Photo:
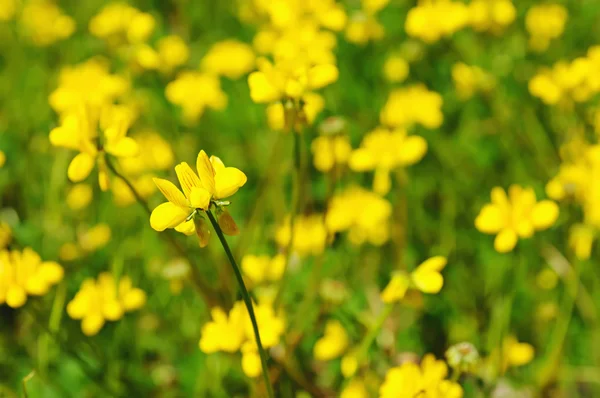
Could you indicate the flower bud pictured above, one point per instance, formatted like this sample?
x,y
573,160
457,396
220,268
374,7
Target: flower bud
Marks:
x,y
202,231
227,224
463,357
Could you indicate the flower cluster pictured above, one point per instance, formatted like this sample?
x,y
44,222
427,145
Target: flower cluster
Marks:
x,y
23,273
45,23
363,25
413,105
334,342
470,79
105,299
544,23
261,269
310,235
330,151
233,333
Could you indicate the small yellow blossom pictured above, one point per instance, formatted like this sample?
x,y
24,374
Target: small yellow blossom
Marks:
x,y
516,353
395,69
432,20
104,300
470,79
45,22
491,15
214,181
363,25
355,389
94,238
545,22
413,105
384,150
363,213
411,380
330,151
547,279
173,51
195,92
261,269
120,22
333,344
229,58
23,273
79,196
310,235
516,215
427,278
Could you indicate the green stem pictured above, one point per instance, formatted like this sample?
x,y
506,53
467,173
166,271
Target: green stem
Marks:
x,y
373,332
247,301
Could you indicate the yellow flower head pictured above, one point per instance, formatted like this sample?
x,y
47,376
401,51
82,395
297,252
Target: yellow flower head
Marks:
x,y
581,240
427,278
413,105
119,22
8,8
45,22
173,51
545,22
513,216
516,353
23,273
411,380
330,151
261,269
383,150
213,182
94,238
363,213
333,344
491,15
430,21
395,69
310,235
229,58
104,300
194,92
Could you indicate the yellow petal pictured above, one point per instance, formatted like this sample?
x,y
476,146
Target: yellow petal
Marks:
x,y
261,89
167,215
187,178
544,214
362,160
490,219
505,241
112,310
525,229
171,192
413,150
322,75
396,289
520,354
91,324
124,147
251,364
51,272
200,198
382,182
15,296
134,299
80,167
436,263
428,281
228,181
206,172
186,228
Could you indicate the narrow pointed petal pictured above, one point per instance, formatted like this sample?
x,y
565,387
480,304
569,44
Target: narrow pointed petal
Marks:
x,y
171,192
206,172
187,178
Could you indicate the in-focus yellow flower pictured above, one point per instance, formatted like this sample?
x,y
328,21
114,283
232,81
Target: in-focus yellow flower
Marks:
x,y
330,151
104,300
333,343
261,269
395,69
310,235
516,215
213,182
383,150
427,278
413,105
23,273
45,22
411,380
194,92
229,58
363,213
545,22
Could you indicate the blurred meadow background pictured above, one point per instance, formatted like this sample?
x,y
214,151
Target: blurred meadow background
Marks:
x,y
414,205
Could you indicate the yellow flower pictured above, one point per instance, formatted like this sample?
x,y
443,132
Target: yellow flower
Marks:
x,y
581,240
330,151
470,79
22,274
545,22
430,21
173,52
261,269
276,115
45,22
94,238
309,235
363,213
516,353
491,15
8,8
194,92
333,344
413,105
79,196
395,69
383,150
120,22
214,181
513,216
426,277
78,131
229,58
104,300
411,380
355,389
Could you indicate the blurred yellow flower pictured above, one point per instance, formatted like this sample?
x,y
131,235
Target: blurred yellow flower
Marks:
x,y
106,299
194,92
491,15
330,151
333,343
470,79
516,215
395,69
432,20
94,238
23,273
581,240
413,105
261,269
363,213
545,22
173,51
8,9
363,26
176,272
310,235
427,278
516,353
384,150
45,23
276,114
355,389
214,181
411,380
229,58
120,22
79,196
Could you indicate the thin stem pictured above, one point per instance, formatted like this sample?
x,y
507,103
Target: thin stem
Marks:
x,y
373,332
247,301
207,294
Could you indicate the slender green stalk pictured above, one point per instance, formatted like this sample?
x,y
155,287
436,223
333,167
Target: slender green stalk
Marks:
x,y
373,332
247,301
